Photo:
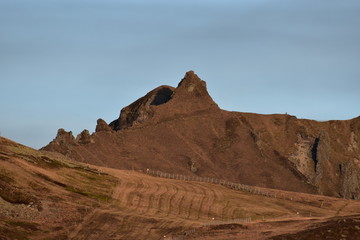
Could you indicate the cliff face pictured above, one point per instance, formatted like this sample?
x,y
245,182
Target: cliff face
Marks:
x,y
182,130
323,152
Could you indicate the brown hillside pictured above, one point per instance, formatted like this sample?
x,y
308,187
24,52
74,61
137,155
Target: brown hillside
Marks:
x,y
182,130
47,196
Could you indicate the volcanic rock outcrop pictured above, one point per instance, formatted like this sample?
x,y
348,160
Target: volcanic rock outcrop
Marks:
x,y
182,130
102,126
166,102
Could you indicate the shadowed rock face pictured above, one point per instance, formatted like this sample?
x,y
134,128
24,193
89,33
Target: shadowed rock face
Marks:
x,y
162,96
179,129
142,109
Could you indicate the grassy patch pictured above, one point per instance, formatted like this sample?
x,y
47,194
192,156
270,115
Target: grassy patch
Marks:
x,y
42,161
86,184
35,157
38,188
91,184
88,176
3,158
50,163
51,180
94,195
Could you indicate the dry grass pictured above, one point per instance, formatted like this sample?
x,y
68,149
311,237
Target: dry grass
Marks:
x,y
74,201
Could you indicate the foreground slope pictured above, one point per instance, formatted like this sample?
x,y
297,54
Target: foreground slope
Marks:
x,y
43,194
182,130
47,196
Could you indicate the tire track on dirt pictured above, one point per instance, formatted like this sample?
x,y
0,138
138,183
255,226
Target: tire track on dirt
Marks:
x,y
163,199
154,205
203,196
122,189
191,193
144,192
173,193
199,195
206,203
149,199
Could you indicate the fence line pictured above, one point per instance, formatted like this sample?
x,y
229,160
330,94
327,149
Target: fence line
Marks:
x,y
236,186
232,185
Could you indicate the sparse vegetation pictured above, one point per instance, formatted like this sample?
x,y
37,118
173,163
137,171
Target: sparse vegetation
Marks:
x,y
15,195
38,187
3,158
47,178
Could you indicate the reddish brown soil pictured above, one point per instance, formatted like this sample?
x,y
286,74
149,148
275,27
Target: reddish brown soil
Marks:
x,y
60,199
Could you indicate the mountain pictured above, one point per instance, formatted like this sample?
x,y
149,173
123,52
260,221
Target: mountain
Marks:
x,y
182,131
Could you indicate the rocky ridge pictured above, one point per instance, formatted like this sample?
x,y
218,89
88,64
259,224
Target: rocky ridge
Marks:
x,y
182,129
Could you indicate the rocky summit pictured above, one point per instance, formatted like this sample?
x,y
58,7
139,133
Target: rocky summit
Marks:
x,y
182,131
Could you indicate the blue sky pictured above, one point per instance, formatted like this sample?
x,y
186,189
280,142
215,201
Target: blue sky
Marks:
x,y
64,64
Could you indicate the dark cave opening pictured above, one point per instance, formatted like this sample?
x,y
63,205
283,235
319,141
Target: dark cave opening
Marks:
x,y
162,96
314,152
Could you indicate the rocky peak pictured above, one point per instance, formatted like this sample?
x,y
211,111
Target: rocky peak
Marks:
x,y
102,126
64,138
191,83
163,102
62,143
84,137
